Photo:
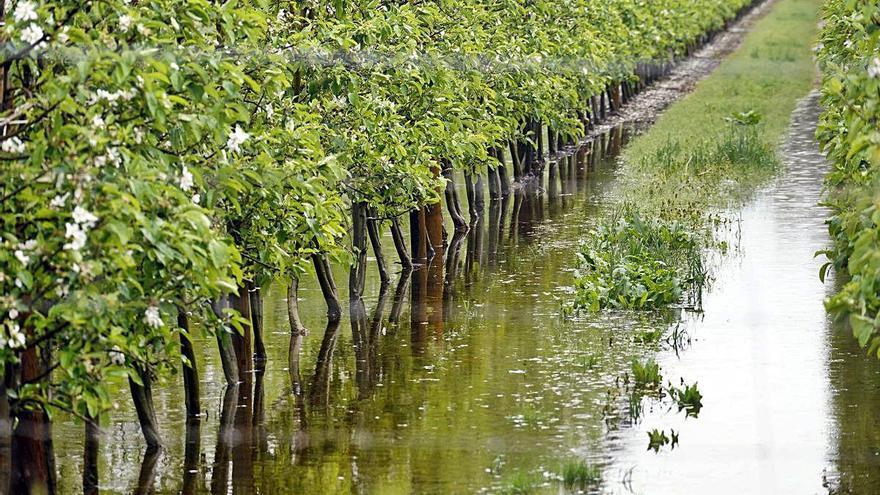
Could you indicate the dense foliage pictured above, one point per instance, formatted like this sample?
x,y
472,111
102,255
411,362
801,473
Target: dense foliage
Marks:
x,y
158,153
630,262
849,57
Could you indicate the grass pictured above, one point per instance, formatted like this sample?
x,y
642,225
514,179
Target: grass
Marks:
x,y
710,151
646,375
580,474
768,73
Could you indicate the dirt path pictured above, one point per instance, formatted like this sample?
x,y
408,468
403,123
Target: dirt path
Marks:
x,y
647,106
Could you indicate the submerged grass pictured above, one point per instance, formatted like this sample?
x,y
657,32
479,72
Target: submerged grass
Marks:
x,y
710,151
578,474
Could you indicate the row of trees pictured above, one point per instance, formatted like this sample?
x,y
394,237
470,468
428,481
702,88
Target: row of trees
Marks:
x,y
162,159
849,57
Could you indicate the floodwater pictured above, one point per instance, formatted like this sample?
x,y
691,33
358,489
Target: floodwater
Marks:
x,y
462,377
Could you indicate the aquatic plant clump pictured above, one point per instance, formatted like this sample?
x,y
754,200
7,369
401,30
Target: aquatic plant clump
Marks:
x,y
631,262
849,58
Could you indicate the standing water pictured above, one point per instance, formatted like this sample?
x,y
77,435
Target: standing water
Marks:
x,y
463,377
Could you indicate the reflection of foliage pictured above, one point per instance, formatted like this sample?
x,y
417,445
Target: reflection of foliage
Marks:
x,y
657,439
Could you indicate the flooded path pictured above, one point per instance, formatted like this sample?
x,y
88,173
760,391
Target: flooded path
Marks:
x,y
760,352
462,377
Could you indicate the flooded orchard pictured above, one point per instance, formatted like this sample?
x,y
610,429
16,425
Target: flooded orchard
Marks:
x,y
462,376
440,247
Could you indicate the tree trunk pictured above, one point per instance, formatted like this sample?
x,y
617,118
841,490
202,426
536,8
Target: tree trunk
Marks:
x,y
479,195
296,324
224,342
374,231
503,176
357,275
90,456
142,395
516,161
31,439
190,368
470,192
328,286
400,243
453,205
241,341
256,304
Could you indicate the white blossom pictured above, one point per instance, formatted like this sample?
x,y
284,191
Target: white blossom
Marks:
x,y
25,259
874,69
31,34
13,145
59,200
16,337
13,313
152,317
236,139
125,22
116,356
196,198
84,217
98,122
76,235
25,11
186,179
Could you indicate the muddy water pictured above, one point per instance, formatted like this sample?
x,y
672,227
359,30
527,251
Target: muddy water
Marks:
x,y
462,377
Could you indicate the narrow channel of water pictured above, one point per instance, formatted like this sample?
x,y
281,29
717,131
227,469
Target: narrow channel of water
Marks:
x,y
463,377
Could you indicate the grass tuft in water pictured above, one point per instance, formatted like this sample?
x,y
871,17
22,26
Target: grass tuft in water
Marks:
x,y
647,374
522,483
580,474
688,398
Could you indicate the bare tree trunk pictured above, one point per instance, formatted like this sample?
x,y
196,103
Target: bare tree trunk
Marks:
x,y
469,192
241,341
358,273
256,304
503,176
90,457
479,195
224,343
373,229
142,395
516,160
400,243
296,324
452,202
328,286
190,368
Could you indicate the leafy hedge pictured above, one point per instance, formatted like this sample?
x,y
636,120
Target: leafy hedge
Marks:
x,y
849,130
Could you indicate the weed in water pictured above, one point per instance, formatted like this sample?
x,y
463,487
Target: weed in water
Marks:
x,y
646,375
521,483
688,398
580,474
